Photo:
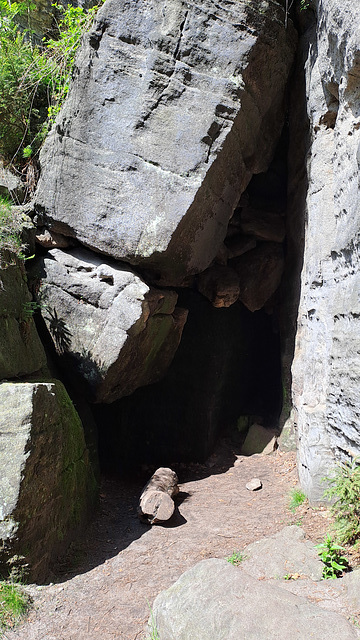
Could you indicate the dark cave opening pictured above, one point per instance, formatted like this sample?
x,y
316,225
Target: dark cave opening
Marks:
x,y
227,368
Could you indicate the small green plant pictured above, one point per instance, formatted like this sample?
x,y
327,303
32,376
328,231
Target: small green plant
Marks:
x,y
334,563
236,558
14,603
297,497
344,490
153,631
28,310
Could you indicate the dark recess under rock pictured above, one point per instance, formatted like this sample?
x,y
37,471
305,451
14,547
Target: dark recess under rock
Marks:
x,y
227,365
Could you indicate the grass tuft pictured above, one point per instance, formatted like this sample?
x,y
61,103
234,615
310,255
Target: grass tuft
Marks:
x,y
14,604
297,497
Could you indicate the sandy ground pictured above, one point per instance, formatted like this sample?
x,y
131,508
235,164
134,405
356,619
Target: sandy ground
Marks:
x,y
105,586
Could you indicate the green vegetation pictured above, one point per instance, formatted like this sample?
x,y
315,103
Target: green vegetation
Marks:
x,y
153,631
297,497
28,310
14,603
56,64
236,558
34,80
344,491
334,563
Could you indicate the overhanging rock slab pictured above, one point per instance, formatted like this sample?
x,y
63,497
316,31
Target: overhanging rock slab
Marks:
x,y
173,107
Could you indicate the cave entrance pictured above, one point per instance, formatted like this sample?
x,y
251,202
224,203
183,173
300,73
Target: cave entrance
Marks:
x,y
226,373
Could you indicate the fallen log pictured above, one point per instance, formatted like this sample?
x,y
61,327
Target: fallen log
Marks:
x,y
156,500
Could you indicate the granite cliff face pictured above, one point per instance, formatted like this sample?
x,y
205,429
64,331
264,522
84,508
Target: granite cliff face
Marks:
x,y
326,365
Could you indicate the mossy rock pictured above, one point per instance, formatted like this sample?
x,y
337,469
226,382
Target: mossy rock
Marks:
x,y
47,488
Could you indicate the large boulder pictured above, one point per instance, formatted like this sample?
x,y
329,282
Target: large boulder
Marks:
x,y
215,600
21,352
326,368
47,487
173,107
116,331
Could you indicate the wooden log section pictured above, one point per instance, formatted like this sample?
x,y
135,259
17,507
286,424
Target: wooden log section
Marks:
x,y
156,500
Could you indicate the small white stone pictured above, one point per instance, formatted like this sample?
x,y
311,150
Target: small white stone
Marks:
x,y
254,484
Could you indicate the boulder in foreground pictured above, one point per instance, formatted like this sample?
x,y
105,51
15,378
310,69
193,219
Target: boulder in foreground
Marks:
x,y
47,486
216,601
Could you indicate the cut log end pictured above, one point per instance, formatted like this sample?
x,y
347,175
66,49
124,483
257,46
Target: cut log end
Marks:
x,y
156,503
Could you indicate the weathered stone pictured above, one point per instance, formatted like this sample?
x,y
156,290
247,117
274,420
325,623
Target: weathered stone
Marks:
x,y
254,485
326,368
215,600
258,440
264,225
150,181
237,245
47,486
10,185
288,438
50,239
286,552
21,351
156,500
352,584
220,285
118,333
260,272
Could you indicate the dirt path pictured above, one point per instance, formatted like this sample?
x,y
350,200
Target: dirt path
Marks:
x,y
123,564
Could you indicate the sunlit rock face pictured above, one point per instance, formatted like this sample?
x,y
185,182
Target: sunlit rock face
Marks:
x,y
173,107
114,332
326,368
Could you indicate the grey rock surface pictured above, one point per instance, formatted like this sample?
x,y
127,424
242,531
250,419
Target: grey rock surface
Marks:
x,y
216,601
47,486
260,271
21,351
258,440
254,484
286,552
220,285
10,185
117,331
326,368
352,584
130,169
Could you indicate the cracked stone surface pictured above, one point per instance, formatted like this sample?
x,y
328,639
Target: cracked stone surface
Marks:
x,y
114,331
326,367
173,108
